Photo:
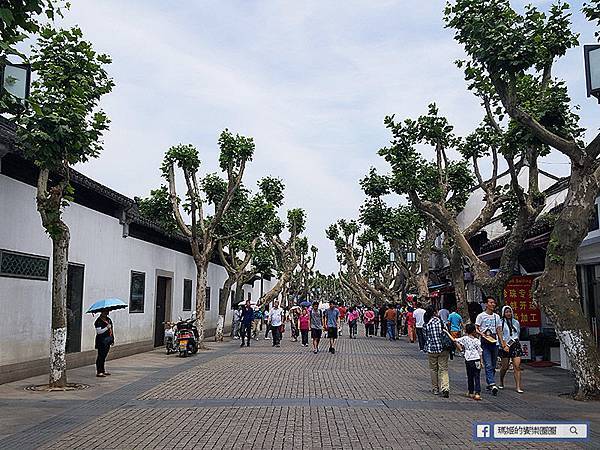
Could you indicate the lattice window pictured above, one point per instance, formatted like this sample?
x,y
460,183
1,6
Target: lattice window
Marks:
x,y
21,265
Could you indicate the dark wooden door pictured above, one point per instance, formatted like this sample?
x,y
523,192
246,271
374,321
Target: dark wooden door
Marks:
x,y
162,287
74,307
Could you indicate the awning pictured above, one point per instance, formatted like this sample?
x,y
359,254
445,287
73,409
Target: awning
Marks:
x,y
438,286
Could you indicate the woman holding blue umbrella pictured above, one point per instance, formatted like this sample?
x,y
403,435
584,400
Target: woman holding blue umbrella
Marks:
x,y
104,339
104,330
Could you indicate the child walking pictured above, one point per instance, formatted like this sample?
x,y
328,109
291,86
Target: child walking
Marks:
x,y
471,346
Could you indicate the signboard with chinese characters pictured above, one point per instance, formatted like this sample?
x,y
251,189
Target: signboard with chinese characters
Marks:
x,y
518,295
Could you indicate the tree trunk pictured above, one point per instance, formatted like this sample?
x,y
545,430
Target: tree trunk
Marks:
x,y
423,288
556,290
275,290
58,339
239,291
223,299
201,277
458,280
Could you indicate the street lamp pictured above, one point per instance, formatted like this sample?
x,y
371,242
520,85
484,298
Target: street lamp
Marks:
x,y
16,79
411,257
392,256
591,55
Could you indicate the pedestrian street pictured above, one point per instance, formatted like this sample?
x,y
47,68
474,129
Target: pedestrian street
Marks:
x,y
372,393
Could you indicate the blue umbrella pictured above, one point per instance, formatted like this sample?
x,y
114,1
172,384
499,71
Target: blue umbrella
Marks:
x,y
107,303
305,303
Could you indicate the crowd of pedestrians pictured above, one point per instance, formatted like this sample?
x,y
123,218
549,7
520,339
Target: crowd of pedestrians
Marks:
x,y
441,334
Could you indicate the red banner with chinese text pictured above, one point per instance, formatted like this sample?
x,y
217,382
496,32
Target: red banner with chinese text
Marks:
x,y
518,295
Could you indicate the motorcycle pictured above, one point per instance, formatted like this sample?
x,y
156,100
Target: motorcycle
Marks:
x,y
187,336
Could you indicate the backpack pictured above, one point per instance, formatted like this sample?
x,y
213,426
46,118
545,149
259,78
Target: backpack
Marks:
x,y
447,342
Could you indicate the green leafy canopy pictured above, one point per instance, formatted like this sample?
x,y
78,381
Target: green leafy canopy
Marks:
x,y
65,126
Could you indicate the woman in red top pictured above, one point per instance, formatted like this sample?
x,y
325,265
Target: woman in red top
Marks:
x,y
304,326
369,319
411,322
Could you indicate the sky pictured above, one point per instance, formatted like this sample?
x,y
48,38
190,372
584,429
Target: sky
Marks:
x,y
311,81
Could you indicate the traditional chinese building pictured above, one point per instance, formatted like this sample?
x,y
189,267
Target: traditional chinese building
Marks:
x,y
114,252
489,245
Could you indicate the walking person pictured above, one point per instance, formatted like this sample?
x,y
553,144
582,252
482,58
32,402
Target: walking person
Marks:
x,y
375,320
455,322
419,315
316,326
104,339
247,320
510,348
382,321
332,321
471,346
237,315
390,318
266,320
275,322
489,326
443,315
369,320
399,320
410,323
255,323
353,316
294,323
304,326
437,355
343,312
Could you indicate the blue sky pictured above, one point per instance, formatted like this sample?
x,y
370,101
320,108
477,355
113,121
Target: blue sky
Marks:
x,y
311,81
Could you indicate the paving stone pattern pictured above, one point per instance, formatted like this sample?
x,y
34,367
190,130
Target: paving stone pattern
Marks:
x,y
371,394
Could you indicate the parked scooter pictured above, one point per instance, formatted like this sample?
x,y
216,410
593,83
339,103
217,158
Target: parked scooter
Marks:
x,y
187,336
171,344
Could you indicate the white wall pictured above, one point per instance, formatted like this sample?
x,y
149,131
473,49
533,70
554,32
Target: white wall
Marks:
x,y
96,243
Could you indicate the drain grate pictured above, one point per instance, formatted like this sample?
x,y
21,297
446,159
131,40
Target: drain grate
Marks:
x,y
47,388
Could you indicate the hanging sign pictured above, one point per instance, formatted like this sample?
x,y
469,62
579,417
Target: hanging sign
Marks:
x,y
518,295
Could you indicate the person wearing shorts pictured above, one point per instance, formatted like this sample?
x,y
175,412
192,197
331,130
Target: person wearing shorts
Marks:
x,y
316,326
510,348
332,319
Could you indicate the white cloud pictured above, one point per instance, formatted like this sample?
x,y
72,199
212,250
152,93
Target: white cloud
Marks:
x,y
311,81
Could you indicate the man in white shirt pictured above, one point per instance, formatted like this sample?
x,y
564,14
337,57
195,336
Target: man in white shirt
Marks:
x,y
489,326
275,320
419,314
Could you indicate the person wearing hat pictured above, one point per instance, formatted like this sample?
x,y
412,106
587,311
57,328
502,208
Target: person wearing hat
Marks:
x,y
510,347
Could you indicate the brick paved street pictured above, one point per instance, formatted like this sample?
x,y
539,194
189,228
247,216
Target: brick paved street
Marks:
x,y
370,394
